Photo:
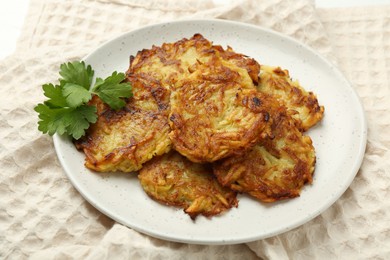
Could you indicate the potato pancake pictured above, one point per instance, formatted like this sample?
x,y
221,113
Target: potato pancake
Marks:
x,y
173,180
277,82
212,116
276,168
171,62
123,140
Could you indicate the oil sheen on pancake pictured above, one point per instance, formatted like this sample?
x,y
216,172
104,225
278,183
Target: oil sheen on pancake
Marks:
x,y
304,105
175,181
276,168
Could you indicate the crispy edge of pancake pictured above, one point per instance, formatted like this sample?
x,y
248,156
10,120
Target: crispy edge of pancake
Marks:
x,y
277,82
242,61
173,180
276,168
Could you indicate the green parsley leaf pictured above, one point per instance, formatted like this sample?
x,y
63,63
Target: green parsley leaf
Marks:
x,y
73,121
77,73
67,111
113,89
75,94
79,119
54,93
50,119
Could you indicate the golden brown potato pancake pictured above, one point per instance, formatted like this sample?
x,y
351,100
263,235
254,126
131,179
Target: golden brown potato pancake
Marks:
x,y
171,62
213,116
123,140
277,82
173,180
276,168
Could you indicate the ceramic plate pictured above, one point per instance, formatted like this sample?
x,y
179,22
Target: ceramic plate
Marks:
x,y
339,140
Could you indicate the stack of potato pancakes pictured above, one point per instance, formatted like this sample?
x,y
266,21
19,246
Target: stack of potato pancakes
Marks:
x,y
204,124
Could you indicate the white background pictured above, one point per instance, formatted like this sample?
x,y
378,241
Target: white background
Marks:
x,y
12,15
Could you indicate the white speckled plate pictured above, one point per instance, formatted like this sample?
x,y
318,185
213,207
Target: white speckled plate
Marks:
x,y
340,141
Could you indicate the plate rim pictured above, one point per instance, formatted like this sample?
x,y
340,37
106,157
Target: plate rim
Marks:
x,y
355,168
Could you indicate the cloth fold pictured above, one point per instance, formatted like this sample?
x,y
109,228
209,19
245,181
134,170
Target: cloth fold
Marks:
x,y
42,215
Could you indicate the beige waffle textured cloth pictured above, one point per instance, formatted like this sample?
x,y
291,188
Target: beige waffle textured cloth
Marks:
x,y
43,217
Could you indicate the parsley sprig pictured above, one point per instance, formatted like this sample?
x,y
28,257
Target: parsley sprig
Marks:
x,y
67,111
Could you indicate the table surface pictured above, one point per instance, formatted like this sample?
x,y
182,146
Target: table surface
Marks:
x,y
12,14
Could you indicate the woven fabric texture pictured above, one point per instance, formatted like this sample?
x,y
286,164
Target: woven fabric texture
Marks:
x,y
43,216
